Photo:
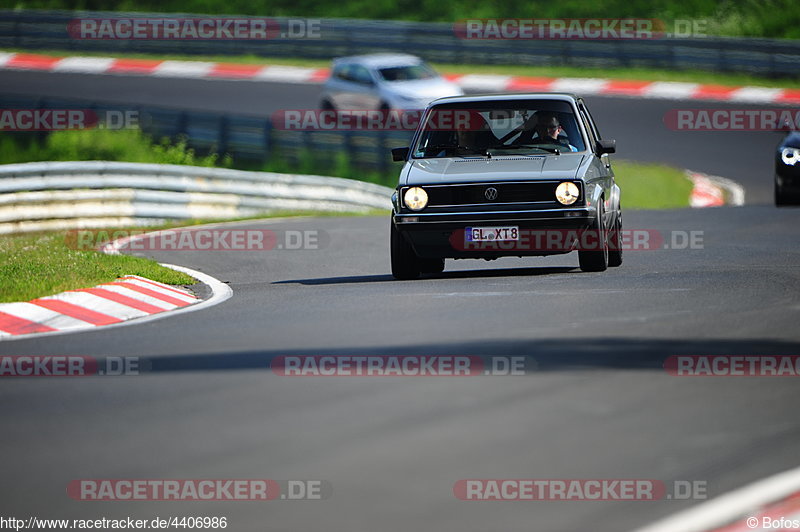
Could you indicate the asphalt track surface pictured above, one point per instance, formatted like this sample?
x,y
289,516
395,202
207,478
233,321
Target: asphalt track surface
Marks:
x,y
598,405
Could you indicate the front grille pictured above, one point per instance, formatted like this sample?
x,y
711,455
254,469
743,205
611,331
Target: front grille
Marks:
x,y
475,194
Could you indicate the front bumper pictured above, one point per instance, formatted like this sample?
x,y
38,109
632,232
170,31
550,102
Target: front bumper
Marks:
x,y
441,234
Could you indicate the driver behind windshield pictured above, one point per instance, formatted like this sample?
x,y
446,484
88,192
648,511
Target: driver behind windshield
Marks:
x,y
548,130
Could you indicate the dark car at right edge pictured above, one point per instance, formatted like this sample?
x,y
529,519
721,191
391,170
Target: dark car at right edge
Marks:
x,y
787,170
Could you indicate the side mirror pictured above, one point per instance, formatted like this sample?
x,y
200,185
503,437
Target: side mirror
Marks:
x,y
605,146
400,154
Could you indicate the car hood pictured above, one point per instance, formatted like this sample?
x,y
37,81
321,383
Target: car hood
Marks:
x,y
498,168
422,89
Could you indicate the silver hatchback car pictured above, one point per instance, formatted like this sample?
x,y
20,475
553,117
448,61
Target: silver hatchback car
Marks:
x,y
505,175
384,81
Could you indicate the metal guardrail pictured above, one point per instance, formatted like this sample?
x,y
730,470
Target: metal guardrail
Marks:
x,y
63,195
29,29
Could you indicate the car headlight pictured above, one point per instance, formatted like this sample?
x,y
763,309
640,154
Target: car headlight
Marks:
x,y
567,193
415,198
790,156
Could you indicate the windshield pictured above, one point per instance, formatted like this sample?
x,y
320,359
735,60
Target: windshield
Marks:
x,y
408,72
537,127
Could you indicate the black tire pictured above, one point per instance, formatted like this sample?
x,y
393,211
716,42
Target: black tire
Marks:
x,y
326,105
781,197
615,243
405,263
592,260
431,265
385,107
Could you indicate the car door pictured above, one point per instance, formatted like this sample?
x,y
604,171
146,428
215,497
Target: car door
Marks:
x,y
364,88
601,164
340,87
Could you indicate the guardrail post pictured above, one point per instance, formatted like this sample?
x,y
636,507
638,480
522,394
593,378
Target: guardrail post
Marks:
x,y
773,72
183,124
383,163
349,148
267,139
16,31
224,131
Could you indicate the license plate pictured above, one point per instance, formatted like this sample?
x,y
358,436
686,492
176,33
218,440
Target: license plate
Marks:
x,y
491,234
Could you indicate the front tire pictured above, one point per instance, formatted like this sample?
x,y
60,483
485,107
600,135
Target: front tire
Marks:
x,y
592,260
431,265
405,263
784,198
615,243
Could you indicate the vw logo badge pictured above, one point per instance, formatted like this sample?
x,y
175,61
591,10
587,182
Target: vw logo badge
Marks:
x,y
491,193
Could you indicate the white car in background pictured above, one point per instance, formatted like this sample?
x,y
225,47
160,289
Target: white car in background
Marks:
x,y
384,81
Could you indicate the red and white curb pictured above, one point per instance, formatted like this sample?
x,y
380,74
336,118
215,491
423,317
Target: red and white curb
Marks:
x,y
711,191
754,507
482,82
106,305
124,299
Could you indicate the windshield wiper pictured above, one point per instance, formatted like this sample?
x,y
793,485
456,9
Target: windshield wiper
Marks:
x,y
555,151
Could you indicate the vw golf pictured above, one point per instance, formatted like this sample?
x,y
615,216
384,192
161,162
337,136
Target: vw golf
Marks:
x,y
505,175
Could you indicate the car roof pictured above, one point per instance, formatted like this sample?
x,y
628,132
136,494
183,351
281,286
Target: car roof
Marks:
x,y
380,60
478,98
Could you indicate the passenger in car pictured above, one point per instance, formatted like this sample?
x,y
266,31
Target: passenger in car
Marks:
x,y
476,136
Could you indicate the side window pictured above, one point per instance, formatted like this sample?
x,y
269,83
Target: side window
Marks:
x,y
361,75
589,128
595,131
342,72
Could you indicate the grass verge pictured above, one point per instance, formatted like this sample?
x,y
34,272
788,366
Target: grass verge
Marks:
x,y
37,265
652,186
630,74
